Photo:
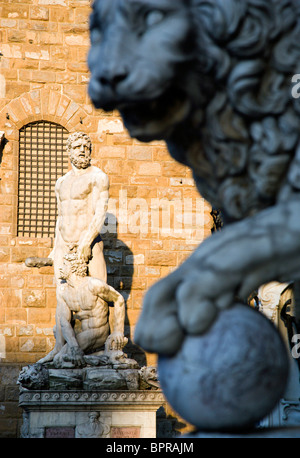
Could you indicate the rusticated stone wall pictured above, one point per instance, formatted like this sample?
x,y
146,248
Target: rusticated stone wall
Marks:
x,y
154,207
10,412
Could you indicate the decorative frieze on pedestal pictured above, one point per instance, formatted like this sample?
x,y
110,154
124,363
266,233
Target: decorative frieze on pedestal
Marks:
x,y
90,414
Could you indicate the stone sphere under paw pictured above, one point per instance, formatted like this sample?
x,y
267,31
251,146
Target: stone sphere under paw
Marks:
x,y
230,377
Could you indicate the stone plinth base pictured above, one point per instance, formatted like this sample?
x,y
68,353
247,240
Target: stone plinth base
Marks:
x,y
90,414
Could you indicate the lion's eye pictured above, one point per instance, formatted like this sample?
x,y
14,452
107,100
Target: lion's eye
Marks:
x,y
96,36
153,17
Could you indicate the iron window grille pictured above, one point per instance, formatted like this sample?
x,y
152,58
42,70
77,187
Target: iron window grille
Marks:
x,y
42,160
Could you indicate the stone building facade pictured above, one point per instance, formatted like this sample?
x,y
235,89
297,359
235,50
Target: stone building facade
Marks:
x,y
154,207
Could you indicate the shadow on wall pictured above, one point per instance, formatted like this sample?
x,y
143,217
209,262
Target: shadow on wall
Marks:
x,y
169,426
119,276
3,142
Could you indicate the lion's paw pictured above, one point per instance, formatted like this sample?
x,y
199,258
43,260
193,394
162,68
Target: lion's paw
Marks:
x,y
184,303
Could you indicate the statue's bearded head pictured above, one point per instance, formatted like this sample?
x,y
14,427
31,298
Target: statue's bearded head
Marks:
x,y
79,148
73,265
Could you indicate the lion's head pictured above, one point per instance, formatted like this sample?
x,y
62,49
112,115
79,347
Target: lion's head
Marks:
x,y
139,56
34,377
212,78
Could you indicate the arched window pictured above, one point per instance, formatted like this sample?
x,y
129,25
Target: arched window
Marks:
x,y
42,160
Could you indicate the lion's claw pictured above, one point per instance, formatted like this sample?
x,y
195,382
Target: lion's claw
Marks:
x,y
186,302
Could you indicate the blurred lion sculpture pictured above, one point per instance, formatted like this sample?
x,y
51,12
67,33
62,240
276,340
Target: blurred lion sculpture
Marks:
x,y
214,79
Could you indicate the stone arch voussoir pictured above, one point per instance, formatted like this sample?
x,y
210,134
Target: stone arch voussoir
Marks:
x,y
43,104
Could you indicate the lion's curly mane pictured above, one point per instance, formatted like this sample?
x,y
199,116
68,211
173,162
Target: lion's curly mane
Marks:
x,y
250,130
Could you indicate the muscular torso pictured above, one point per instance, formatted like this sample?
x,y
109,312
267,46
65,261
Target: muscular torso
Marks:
x,y
76,195
89,308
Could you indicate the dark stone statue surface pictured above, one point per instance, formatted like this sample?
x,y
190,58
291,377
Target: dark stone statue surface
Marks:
x,y
214,79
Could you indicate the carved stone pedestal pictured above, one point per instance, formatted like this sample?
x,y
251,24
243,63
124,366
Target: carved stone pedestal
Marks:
x,y
89,414
115,400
